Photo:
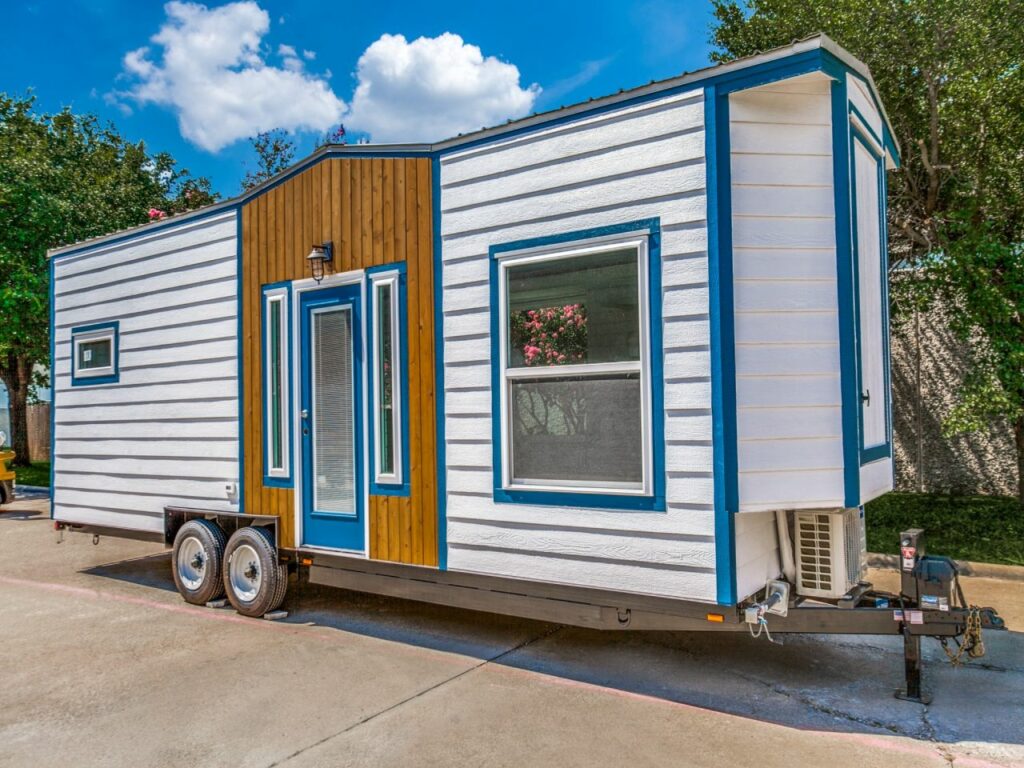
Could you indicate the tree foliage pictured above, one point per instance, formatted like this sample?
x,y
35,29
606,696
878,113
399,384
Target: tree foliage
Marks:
x,y
275,151
65,178
950,76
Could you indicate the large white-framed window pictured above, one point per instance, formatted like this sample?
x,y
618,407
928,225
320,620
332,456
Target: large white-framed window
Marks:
x,y
276,395
574,368
386,380
94,354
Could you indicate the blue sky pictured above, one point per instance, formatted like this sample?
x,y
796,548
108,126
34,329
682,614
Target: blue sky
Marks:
x,y
391,71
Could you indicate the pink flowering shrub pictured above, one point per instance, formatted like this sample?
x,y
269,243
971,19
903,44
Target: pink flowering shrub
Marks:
x,y
551,335
155,214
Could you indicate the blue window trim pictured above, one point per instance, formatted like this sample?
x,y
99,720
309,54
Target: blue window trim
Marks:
x,y
402,488
883,450
654,502
115,354
287,407
723,343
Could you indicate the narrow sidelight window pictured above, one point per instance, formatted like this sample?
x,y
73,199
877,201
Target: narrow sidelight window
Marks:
x,y
574,369
387,380
275,397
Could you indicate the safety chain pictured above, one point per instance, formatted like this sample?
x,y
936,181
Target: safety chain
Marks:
x,y
972,643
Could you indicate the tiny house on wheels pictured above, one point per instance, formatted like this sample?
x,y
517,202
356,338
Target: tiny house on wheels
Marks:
x,y
623,364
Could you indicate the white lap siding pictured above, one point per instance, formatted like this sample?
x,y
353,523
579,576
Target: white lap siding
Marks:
x,y
789,423
166,433
633,163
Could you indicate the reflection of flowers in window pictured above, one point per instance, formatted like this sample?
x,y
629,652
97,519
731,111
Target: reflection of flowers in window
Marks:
x,y
551,335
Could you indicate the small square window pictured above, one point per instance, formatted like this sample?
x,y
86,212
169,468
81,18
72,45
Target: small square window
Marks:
x,y
94,354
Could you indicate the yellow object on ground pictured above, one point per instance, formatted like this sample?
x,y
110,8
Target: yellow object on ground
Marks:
x,y
5,473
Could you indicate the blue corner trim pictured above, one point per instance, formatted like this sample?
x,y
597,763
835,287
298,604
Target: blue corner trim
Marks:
x,y
882,450
115,352
848,367
287,407
403,488
240,302
723,345
439,409
655,502
53,389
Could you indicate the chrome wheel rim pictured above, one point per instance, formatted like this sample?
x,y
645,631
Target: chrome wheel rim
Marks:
x,y
191,563
245,574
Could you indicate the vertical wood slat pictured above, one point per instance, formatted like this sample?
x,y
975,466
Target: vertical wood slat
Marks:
x,y
425,286
376,211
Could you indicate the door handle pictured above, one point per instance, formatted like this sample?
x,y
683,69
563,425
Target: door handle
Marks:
x,y
865,397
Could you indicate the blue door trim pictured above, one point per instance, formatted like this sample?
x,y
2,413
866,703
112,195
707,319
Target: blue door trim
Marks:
x,y
327,529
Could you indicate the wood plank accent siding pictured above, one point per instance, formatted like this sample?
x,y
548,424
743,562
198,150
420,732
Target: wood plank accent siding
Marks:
x,y
376,211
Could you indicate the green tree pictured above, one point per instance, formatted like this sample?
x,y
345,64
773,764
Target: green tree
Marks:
x,y
275,151
950,75
65,178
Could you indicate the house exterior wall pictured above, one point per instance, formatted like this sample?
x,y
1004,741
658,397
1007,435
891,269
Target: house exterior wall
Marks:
x,y
167,431
789,419
624,165
376,211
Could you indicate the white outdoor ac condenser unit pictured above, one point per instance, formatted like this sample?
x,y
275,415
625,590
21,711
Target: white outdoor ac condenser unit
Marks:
x,y
831,552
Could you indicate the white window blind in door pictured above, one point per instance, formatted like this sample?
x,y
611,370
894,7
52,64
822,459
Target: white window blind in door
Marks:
x,y
333,412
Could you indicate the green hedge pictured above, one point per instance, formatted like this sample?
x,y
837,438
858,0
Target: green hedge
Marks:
x,y
987,529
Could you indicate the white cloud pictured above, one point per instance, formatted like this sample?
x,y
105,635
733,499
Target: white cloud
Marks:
x,y
433,88
210,71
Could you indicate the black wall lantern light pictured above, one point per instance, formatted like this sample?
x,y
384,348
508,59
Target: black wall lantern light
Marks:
x,y
319,257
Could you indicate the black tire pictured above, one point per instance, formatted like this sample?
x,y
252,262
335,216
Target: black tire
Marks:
x,y
211,541
272,583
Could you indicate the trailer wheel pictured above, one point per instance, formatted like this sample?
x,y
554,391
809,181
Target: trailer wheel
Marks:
x,y
196,561
253,578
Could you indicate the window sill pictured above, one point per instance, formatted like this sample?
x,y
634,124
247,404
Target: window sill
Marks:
x,y
610,501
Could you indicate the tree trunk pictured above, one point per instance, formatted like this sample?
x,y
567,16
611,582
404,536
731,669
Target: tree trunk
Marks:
x,y
17,376
1018,434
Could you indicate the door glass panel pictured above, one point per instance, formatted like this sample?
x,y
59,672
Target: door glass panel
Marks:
x,y
94,354
333,412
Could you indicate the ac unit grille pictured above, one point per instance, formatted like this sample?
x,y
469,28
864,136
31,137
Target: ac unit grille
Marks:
x,y
829,548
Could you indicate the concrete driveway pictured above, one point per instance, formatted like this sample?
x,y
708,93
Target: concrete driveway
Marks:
x,y
101,663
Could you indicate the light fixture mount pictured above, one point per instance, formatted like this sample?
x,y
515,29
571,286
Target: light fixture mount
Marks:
x,y
319,257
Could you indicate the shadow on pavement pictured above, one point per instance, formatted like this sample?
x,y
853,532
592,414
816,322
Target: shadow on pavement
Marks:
x,y
830,683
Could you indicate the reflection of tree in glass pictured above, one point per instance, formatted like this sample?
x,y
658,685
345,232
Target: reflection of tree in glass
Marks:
x,y
550,336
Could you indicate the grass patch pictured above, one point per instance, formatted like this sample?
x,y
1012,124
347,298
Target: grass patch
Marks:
x,y
987,529
37,474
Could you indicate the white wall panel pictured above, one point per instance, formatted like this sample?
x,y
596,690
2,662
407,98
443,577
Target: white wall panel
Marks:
x,y
167,431
787,332
633,163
